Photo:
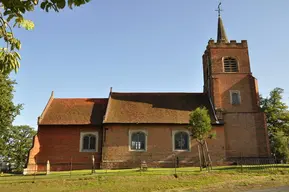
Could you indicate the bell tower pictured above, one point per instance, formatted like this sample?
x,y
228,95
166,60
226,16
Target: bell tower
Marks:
x,y
233,91
227,74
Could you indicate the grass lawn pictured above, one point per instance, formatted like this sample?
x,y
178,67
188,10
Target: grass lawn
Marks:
x,y
189,179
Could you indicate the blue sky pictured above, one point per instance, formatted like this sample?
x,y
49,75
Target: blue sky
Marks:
x,y
143,46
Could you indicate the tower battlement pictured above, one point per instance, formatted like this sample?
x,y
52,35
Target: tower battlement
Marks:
x,y
231,44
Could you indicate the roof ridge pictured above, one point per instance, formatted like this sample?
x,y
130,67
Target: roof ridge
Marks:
x,y
104,118
79,98
162,92
154,107
51,98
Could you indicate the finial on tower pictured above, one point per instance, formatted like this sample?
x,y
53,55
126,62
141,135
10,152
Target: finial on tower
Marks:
x,y
221,36
219,9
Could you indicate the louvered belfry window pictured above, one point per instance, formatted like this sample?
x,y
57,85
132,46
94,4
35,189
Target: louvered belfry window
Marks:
x,y
230,65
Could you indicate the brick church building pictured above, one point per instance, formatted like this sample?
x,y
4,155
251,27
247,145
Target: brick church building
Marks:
x,y
126,128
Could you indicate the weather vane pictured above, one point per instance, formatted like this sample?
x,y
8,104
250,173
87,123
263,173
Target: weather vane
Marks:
x,y
219,9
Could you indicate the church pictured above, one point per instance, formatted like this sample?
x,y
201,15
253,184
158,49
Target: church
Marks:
x,y
130,127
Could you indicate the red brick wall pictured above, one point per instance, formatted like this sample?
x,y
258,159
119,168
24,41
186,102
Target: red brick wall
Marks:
x,y
245,135
241,82
240,53
59,144
159,152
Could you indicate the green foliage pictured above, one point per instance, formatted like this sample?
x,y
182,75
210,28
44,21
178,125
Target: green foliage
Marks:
x,y
200,124
201,129
276,111
277,116
18,141
12,15
280,149
8,111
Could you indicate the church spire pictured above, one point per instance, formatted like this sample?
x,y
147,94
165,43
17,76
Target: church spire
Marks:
x,y
221,36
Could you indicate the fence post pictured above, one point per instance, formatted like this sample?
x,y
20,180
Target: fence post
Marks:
x,y
175,166
106,164
47,167
140,167
241,163
34,171
70,165
93,168
175,163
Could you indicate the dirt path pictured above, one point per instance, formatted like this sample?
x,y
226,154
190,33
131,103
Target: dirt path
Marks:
x,y
278,189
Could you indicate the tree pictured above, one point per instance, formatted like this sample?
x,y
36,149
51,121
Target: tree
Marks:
x,y
200,128
277,116
12,15
280,143
8,110
17,145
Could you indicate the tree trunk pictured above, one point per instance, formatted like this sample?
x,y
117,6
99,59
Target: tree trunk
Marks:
x,y
204,155
209,157
200,157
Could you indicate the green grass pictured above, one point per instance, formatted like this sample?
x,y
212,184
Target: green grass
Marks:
x,y
220,179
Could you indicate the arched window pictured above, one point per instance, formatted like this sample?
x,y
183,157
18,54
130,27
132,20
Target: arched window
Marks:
x,y
138,141
230,64
88,142
181,141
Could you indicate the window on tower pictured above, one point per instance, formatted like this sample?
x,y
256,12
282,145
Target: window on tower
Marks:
x,y
230,64
235,97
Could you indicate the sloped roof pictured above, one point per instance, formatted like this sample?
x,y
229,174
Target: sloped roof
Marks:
x,y
154,107
74,112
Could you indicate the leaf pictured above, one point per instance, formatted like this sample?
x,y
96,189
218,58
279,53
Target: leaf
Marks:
x,y
43,4
18,45
30,7
47,7
70,3
7,12
10,17
17,55
22,9
60,4
27,24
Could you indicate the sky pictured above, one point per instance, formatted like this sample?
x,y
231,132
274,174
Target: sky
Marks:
x,y
143,46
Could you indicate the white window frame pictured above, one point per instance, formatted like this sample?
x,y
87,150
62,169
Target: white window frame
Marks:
x,y
82,134
231,96
146,140
173,140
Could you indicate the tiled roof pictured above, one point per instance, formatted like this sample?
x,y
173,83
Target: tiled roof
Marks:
x,y
74,112
154,107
